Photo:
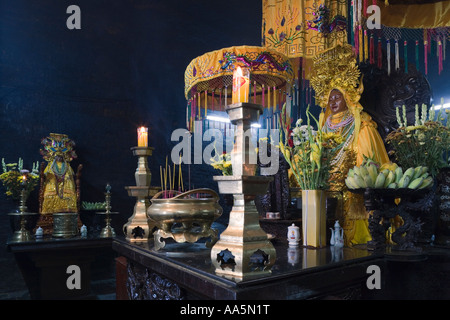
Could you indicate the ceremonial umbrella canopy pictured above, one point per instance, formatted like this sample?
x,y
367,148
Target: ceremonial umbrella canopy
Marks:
x,y
209,79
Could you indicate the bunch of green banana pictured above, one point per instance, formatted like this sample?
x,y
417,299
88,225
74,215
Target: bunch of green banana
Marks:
x,y
412,178
369,176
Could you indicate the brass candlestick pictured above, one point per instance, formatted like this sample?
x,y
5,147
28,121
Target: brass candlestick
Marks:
x,y
22,234
108,230
244,248
138,228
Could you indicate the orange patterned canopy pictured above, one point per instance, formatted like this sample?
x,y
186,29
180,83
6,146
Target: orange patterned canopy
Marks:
x,y
213,71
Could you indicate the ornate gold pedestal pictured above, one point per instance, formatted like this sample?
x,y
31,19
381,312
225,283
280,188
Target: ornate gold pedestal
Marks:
x,y
138,227
243,249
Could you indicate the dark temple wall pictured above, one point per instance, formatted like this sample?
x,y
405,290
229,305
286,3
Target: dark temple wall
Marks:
x,y
123,68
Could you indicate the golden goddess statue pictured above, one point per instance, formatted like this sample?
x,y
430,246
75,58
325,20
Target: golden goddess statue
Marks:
x,y
338,89
59,187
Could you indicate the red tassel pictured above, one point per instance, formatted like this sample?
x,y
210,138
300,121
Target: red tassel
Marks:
x,y
372,50
429,42
365,8
380,55
356,42
262,95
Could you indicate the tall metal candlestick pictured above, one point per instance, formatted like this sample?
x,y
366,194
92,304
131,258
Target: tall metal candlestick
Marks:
x,y
138,228
22,234
244,248
108,231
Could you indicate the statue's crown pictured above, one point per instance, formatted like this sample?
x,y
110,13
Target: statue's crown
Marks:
x,y
336,68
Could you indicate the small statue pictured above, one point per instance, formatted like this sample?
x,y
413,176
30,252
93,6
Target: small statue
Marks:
x,y
59,189
59,186
337,235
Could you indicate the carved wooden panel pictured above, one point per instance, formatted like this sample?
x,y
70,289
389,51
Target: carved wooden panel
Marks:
x,y
143,284
383,93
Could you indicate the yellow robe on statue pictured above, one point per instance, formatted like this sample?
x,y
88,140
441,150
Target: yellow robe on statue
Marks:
x,y
59,194
369,144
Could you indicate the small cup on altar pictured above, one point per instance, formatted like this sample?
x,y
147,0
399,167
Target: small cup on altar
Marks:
x,y
142,133
270,215
241,85
39,233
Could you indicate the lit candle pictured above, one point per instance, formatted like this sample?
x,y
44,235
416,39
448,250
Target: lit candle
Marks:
x,y
241,85
142,137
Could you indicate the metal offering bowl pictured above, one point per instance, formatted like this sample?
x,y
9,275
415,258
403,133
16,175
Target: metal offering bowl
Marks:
x,y
185,217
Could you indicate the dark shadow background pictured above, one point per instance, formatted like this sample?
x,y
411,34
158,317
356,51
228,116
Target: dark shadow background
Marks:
x,y
123,69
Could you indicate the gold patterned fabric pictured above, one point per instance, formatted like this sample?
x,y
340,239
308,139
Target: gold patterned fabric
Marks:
x,y
303,28
415,15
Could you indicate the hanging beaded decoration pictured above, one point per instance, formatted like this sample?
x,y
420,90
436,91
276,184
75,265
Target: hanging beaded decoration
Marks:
x,y
345,128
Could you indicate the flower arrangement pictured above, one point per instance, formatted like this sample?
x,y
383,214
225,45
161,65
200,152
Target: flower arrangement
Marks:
x,y
15,178
426,143
308,152
222,162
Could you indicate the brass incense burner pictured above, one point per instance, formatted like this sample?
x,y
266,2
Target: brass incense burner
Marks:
x,y
65,224
186,217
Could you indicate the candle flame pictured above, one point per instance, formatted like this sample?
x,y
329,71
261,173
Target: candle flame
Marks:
x,y
239,71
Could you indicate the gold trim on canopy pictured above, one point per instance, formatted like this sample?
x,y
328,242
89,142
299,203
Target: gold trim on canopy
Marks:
x,y
214,70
